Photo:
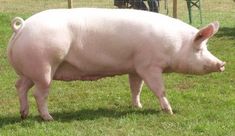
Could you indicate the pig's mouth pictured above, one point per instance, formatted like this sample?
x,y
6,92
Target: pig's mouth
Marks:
x,y
221,67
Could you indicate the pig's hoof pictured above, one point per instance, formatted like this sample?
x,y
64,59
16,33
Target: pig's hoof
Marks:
x,y
137,105
169,111
47,117
24,114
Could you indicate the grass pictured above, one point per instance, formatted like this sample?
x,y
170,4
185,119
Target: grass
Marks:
x,y
203,105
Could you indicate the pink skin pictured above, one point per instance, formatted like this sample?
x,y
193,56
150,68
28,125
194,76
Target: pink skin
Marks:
x,y
74,45
136,84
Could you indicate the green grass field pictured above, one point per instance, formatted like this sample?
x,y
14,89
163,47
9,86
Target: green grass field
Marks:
x,y
203,105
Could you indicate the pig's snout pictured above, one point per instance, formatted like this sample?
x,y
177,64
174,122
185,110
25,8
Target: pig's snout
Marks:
x,y
220,66
215,67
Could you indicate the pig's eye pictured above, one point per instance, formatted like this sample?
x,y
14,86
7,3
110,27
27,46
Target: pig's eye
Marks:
x,y
198,49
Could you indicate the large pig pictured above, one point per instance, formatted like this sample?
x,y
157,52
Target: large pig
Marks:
x,y
90,43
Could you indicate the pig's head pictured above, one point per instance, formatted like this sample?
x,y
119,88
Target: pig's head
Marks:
x,y
195,57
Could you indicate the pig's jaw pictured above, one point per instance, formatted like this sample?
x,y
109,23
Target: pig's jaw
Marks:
x,y
187,69
218,67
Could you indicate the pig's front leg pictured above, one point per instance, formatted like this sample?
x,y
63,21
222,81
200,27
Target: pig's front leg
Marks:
x,y
153,78
23,85
136,84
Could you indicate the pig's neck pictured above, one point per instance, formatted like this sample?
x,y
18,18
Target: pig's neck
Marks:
x,y
177,62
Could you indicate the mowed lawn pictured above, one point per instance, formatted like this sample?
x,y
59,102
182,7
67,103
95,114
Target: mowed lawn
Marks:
x,y
203,105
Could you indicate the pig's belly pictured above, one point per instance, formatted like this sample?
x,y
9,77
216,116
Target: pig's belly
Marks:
x,y
69,72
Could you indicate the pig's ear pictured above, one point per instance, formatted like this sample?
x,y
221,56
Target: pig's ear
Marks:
x,y
207,32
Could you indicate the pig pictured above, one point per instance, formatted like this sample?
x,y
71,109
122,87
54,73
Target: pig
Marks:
x,y
92,43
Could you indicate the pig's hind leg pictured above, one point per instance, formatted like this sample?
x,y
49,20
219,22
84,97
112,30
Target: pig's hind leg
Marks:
x,y
153,78
23,85
136,84
42,85
41,94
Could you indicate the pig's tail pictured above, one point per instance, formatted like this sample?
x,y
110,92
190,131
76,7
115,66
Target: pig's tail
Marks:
x,y
17,24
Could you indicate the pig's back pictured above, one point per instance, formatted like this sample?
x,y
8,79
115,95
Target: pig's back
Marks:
x,y
90,17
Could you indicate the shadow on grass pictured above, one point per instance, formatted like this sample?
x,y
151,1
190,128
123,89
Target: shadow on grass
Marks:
x,y
93,114
84,114
12,120
228,32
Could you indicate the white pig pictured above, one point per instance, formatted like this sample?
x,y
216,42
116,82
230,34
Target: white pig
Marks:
x,y
91,43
